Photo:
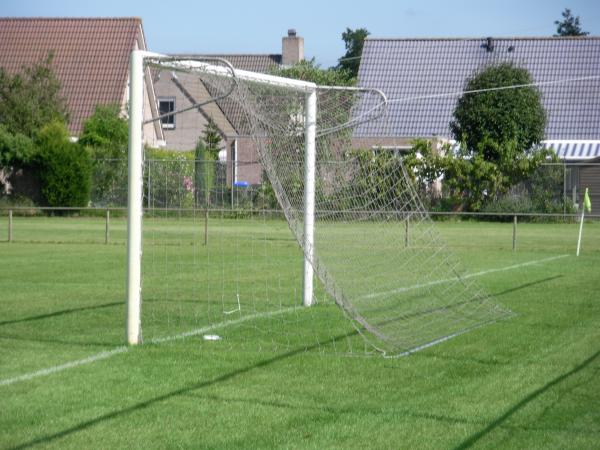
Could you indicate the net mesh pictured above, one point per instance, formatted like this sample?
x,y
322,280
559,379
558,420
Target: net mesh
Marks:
x,y
388,281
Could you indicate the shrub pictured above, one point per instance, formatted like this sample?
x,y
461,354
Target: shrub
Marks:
x,y
64,167
168,179
105,136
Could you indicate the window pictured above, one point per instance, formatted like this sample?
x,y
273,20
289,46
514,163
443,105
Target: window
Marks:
x,y
166,106
397,150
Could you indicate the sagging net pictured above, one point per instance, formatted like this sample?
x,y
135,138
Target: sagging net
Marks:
x,y
386,275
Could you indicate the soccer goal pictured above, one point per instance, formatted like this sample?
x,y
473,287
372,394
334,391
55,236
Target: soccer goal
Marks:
x,y
385,276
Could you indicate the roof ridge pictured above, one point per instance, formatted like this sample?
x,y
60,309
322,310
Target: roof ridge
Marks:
x,y
506,38
223,54
57,19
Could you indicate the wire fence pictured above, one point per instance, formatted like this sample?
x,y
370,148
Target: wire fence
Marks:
x,y
108,225
554,188
205,192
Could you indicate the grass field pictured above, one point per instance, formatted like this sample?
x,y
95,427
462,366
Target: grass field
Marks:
x,y
67,381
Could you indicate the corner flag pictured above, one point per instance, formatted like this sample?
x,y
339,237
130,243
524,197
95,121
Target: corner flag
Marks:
x,y
587,204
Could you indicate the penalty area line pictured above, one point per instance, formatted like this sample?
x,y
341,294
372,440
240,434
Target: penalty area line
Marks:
x,y
123,349
469,275
50,370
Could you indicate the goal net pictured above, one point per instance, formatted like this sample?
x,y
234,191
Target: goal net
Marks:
x,y
219,261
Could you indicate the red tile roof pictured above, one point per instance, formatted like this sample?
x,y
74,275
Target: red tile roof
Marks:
x,y
91,56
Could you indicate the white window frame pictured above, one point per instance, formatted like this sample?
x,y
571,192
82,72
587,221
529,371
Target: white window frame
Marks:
x,y
166,126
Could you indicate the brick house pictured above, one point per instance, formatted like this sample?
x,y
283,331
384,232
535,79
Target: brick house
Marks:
x,y
180,91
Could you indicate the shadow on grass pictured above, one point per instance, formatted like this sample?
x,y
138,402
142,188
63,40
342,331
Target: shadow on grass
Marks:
x,y
182,391
77,343
473,439
62,312
189,389
526,285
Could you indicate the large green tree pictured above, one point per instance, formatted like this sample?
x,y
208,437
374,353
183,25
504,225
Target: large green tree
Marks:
x,y
569,25
354,41
31,99
499,107
498,122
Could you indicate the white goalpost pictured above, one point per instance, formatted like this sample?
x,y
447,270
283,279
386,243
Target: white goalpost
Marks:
x,y
135,183
134,198
349,205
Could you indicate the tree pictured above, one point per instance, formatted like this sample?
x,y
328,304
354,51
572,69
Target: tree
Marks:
x,y
206,156
569,26
354,41
16,150
487,120
309,70
498,130
105,137
31,99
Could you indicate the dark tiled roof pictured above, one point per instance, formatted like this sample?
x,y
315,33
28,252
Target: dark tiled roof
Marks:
x,y
405,68
91,57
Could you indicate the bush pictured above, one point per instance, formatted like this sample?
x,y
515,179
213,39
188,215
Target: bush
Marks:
x,y
169,179
105,137
64,168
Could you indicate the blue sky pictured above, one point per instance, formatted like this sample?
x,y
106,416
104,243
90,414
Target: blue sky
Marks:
x,y
236,26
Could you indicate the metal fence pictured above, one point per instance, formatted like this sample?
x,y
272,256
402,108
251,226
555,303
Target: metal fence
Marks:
x,y
553,190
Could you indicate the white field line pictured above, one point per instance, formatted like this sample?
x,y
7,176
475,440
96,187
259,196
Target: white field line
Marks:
x,y
470,275
223,324
80,362
116,351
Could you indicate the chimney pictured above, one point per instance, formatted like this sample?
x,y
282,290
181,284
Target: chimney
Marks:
x,y
292,48
489,44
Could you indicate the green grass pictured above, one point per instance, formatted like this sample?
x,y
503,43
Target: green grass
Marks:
x,y
528,382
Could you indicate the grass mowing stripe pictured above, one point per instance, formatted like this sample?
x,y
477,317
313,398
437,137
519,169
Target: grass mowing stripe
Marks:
x,y
108,353
470,275
195,332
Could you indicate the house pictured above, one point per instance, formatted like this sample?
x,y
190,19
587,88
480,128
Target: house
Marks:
x,y
90,59
424,78
180,91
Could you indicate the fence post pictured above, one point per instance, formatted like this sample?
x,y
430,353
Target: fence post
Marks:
x,y
107,227
10,226
206,226
406,230
514,240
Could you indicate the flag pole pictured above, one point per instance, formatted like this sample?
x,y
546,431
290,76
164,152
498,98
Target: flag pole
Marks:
x,y
580,230
587,204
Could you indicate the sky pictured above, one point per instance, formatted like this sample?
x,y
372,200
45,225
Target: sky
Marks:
x,y
257,26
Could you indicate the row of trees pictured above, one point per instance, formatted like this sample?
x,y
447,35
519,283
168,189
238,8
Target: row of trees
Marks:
x,y
34,138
